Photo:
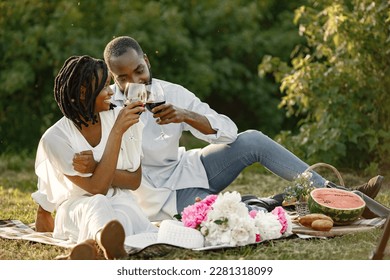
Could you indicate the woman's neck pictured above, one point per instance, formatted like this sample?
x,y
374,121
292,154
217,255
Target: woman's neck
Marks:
x,y
93,132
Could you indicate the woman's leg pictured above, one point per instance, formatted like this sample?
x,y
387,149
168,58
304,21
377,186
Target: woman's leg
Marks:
x,y
82,218
129,213
224,162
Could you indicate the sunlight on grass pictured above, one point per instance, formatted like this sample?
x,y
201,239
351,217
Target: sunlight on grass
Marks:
x,y
18,181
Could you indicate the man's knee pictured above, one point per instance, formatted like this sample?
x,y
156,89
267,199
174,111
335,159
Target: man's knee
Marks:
x,y
252,137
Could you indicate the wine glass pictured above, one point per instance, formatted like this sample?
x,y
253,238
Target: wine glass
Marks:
x,y
155,97
135,92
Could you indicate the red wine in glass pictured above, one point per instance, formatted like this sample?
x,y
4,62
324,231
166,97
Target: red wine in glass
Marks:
x,y
151,105
155,98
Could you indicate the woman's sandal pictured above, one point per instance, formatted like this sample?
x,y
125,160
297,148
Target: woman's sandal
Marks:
x,y
112,239
85,250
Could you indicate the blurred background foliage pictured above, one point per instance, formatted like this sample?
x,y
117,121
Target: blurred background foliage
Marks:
x,y
338,84
311,74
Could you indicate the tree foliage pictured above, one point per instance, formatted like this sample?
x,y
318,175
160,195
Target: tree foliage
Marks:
x,y
211,47
338,83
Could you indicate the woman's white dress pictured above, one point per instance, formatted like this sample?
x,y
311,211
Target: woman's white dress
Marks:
x,y
79,215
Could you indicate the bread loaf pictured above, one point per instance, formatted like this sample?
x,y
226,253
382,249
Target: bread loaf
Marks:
x,y
322,225
316,221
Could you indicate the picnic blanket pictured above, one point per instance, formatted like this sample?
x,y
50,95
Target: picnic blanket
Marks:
x,y
15,229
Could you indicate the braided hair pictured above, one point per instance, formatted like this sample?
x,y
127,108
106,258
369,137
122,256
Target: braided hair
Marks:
x,y
80,76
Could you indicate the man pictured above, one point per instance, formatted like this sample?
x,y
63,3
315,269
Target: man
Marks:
x,y
173,177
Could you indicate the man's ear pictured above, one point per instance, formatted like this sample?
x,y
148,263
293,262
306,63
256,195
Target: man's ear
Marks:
x,y
83,91
147,60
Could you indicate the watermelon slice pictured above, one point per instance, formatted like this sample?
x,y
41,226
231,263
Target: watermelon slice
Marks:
x,y
343,207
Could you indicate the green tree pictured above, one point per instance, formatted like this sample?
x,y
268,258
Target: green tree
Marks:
x,y
338,83
33,47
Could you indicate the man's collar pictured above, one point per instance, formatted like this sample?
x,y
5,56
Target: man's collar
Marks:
x,y
118,95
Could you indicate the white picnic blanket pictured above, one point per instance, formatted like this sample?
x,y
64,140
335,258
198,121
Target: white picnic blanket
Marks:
x,y
15,229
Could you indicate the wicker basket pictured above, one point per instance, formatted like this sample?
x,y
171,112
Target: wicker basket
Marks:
x,y
302,208
321,164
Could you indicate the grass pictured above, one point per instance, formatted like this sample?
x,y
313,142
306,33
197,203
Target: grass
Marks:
x,y
18,181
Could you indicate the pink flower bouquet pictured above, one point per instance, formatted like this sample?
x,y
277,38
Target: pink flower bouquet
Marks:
x,y
224,220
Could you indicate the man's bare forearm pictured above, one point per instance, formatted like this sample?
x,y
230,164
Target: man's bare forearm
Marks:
x,y
199,122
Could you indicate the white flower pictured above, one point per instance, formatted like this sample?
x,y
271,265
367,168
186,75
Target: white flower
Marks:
x,y
224,238
215,234
306,175
229,223
226,204
243,231
268,226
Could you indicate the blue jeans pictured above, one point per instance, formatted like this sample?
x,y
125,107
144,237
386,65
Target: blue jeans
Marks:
x,y
224,162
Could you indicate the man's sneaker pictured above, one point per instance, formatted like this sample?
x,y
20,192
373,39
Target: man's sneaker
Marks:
x,y
368,214
372,187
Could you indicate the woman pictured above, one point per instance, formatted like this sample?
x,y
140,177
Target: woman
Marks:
x,y
98,205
